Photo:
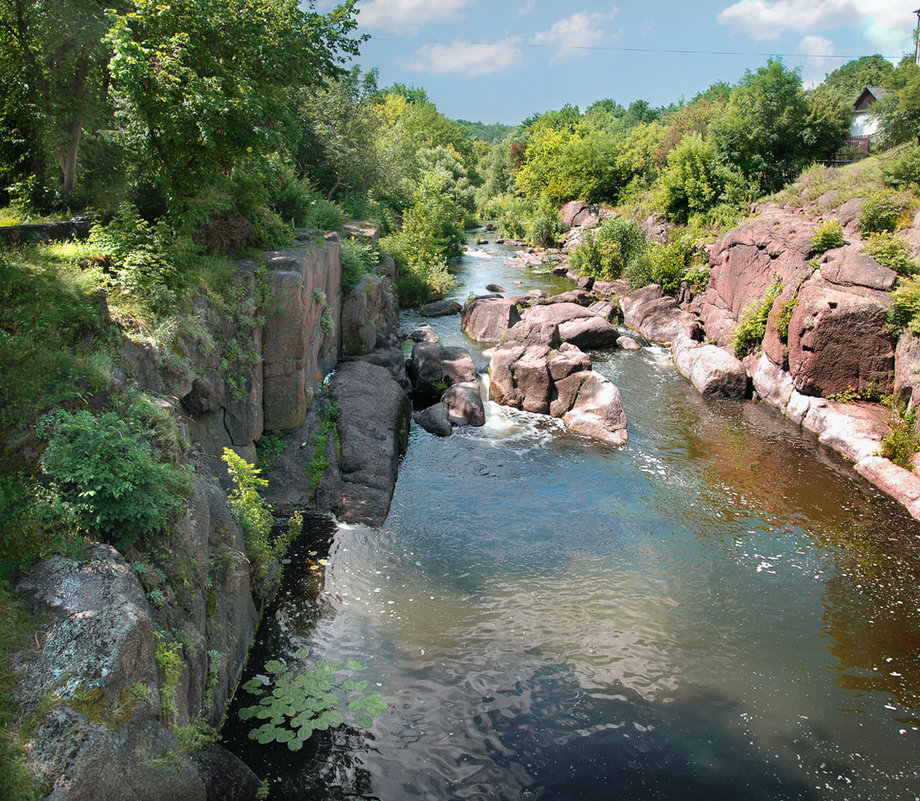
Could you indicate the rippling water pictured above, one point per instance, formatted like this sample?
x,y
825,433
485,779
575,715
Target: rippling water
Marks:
x,y
720,609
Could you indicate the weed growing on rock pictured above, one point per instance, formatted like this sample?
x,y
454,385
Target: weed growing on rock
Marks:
x,y
294,705
827,236
251,510
782,317
268,448
317,466
893,252
902,443
753,323
169,661
904,314
884,211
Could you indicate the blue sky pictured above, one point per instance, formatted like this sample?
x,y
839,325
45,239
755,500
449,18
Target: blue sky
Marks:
x,y
503,60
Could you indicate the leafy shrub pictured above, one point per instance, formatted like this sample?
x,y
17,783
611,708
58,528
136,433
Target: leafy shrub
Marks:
x,y
324,215
753,323
251,511
295,704
903,171
268,448
698,277
827,236
904,314
883,212
608,250
358,257
544,227
902,443
694,180
669,264
893,252
782,317
269,231
105,476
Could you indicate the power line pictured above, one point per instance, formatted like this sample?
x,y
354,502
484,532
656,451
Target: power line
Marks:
x,y
655,50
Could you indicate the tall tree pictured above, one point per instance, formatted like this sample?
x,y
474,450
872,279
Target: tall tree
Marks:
x,y
53,59
201,84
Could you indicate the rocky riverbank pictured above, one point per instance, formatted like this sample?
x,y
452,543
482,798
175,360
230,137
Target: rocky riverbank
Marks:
x,y
826,338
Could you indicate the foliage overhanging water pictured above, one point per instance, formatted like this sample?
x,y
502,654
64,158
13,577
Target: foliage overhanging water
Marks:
x,y
719,609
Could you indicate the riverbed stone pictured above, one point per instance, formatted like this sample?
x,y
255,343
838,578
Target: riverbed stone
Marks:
x,y
597,410
435,420
464,405
657,317
487,319
432,368
373,425
712,370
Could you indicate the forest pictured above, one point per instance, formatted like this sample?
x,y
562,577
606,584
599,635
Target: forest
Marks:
x,y
202,132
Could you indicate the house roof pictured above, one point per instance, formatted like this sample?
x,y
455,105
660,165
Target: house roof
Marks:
x,y
869,96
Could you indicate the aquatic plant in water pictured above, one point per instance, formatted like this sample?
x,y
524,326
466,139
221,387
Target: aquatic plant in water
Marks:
x,y
295,704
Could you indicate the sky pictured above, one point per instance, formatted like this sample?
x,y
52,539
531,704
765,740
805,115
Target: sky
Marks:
x,y
505,60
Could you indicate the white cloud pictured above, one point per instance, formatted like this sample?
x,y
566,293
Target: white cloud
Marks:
x,y
526,7
570,35
816,69
886,24
407,16
472,59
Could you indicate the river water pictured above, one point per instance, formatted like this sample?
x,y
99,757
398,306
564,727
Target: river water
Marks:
x,y
719,609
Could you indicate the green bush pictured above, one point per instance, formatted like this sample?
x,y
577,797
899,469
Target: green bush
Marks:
x,y
269,231
827,236
904,314
608,250
901,444
883,212
358,257
903,171
105,476
782,317
891,251
251,511
753,323
668,265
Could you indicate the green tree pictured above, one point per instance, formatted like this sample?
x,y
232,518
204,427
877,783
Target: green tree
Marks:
x,y
694,180
847,82
763,131
333,135
53,61
900,112
201,84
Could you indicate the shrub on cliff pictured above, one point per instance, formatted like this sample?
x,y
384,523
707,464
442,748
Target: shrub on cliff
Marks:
x,y
753,323
105,478
904,314
827,236
884,211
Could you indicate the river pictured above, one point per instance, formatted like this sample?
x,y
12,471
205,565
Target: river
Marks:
x,y
719,609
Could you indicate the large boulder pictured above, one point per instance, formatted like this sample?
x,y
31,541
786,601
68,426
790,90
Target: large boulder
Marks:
x,y
370,314
907,371
563,322
373,426
101,738
435,420
597,410
838,340
745,264
464,405
657,316
433,368
487,319
711,369
561,383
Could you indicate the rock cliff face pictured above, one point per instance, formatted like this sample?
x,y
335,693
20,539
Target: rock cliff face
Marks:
x,y
118,688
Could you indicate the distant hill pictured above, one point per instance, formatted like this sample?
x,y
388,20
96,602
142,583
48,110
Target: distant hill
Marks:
x,y
487,133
